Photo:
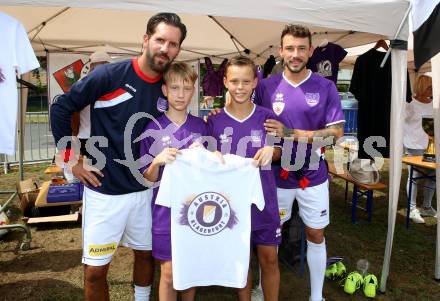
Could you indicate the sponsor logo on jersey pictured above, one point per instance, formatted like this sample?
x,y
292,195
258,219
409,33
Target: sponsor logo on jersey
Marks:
x,y
100,250
208,214
283,213
278,232
223,138
166,141
278,104
256,136
312,99
130,87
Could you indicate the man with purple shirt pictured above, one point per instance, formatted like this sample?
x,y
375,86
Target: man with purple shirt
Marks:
x,y
309,109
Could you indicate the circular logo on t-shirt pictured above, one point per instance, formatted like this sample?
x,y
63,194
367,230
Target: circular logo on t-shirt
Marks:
x,y
209,213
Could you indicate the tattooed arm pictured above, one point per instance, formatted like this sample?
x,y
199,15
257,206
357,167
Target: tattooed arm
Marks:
x,y
335,130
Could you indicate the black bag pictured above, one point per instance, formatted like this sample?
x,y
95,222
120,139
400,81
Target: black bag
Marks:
x,y
289,252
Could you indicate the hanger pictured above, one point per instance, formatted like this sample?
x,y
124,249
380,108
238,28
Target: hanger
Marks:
x,y
323,43
381,44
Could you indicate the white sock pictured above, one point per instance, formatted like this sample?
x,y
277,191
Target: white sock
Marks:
x,y
259,287
317,260
142,293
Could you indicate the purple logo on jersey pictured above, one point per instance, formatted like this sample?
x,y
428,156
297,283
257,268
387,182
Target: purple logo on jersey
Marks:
x,y
312,99
162,104
208,214
278,104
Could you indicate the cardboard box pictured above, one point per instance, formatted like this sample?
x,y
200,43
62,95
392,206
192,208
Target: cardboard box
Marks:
x,y
27,192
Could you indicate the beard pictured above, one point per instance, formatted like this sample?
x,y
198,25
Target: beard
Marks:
x,y
159,67
296,69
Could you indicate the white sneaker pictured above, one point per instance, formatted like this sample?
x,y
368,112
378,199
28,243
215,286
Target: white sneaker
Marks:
x,y
428,212
415,216
257,294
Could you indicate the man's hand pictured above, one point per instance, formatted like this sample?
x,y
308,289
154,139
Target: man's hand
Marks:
x,y
274,126
214,112
264,156
86,173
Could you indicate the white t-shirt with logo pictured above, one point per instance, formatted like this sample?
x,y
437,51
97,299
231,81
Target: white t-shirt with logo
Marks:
x,y
16,56
210,217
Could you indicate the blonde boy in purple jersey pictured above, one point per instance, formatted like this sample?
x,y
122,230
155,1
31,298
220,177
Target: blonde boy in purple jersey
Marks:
x,y
248,139
174,130
308,107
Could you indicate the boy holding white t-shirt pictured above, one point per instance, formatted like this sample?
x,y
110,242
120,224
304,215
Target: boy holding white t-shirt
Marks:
x,y
172,131
239,130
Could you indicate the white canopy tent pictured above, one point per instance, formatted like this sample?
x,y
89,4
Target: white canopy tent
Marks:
x,y
118,26
255,25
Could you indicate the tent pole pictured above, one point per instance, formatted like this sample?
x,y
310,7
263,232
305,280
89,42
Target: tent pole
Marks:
x,y
395,36
20,132
42,24
435,65
227,31
398,94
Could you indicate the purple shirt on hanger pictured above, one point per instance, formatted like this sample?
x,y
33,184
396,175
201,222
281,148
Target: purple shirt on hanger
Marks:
x,y
325,61
212,83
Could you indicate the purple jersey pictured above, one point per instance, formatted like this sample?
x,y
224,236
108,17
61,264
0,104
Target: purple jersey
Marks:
x,y
245,138
310,105
161,134
325,61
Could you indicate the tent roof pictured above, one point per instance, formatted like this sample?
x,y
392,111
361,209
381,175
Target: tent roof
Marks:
x,y
118,26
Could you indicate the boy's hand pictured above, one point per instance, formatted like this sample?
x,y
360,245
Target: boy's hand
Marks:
x,y
264,156
195,144
214,112
220,157
167,156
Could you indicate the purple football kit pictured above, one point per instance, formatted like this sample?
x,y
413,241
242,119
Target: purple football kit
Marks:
x,y
244,138
160,134
312,104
